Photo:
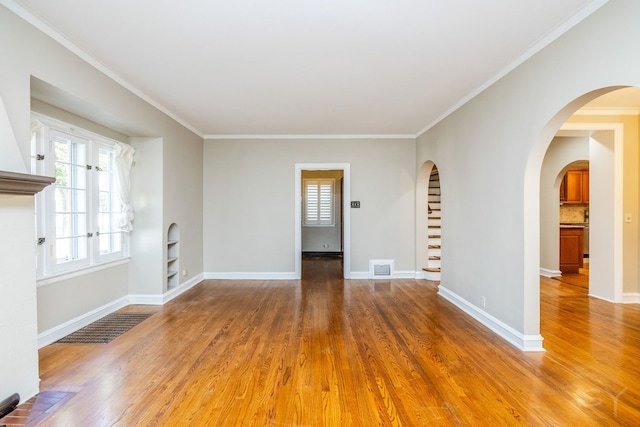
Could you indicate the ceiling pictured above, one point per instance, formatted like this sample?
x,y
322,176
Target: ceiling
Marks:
x,y
301,67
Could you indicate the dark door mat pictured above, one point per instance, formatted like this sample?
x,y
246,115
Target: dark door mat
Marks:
x,y
104,330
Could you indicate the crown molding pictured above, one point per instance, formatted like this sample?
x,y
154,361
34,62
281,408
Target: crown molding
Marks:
x,y
544,42
631,111
68,44
308,136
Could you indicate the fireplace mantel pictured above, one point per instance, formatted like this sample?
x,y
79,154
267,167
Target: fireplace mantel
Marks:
x,y
22,183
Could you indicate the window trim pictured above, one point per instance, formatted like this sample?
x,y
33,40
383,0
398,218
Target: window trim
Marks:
x,y
48,270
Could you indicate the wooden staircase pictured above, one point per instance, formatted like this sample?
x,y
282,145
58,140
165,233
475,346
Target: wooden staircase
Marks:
x,y
434,220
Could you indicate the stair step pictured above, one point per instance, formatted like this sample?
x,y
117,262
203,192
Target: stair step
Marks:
x,y
432,270
434,247
434,258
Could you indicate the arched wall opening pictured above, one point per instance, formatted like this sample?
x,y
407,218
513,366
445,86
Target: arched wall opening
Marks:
x,y
602,136
428,222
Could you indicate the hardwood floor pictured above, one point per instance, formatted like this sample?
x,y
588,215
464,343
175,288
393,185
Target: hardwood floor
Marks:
x,y
324,351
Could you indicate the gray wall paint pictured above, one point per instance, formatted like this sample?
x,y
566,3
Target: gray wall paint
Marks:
x,y
249,201
489,154
85,92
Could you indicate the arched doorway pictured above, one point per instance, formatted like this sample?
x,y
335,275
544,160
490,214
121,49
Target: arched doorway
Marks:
x,y
608,147
429,212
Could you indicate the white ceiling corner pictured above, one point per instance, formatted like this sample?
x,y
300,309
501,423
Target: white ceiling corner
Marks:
x,y
296,68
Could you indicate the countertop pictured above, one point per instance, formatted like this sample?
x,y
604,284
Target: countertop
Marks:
x,y
574,225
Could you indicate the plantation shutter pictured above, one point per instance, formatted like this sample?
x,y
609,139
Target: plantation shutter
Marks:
x,y
318,202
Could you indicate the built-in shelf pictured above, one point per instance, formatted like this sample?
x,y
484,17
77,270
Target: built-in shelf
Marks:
x,y
173,252
23,183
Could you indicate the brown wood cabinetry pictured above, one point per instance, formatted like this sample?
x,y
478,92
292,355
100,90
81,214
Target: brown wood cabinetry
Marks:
x,y
571,249
574,188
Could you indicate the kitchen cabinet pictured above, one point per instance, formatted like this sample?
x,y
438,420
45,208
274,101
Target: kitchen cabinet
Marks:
x,y
574,188
571,249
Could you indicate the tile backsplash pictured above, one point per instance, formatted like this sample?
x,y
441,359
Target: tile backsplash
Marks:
x,y
572,213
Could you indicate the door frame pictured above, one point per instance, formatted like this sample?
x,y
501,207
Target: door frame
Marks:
x,y
346,212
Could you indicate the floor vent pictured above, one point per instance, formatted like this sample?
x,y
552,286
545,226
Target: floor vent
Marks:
x,y
381,268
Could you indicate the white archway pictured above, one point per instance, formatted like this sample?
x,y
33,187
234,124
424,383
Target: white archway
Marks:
x,y
532,212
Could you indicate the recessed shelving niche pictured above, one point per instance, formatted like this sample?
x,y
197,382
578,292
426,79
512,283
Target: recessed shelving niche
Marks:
x,y
173,256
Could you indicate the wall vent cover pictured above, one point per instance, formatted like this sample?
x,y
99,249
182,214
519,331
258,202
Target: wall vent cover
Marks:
x,y
381,268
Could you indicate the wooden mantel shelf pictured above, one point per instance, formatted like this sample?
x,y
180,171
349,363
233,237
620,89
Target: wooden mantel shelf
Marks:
x,y
23,183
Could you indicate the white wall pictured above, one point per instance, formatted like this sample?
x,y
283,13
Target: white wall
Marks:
x,y
561,152
18,329
489,154
602,269
249,201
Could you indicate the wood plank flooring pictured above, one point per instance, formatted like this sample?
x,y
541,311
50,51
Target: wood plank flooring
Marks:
x,y
327,352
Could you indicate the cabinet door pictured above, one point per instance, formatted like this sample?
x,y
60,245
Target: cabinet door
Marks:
x,y
571,249
585,186
573,187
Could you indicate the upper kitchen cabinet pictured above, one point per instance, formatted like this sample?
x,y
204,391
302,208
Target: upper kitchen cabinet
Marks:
x,y
574,188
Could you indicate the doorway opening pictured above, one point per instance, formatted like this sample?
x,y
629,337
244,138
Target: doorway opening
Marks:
x,y
610,132
429,222
322,213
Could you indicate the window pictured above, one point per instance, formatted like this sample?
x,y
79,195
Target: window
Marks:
x,y
318,202
77,217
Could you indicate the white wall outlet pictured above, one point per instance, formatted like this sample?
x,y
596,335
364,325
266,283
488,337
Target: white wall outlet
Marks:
x,y
483,301
185,272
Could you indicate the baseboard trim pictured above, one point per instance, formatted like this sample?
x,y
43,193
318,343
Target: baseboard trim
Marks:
x,y
528,343
631,298
249,276
182,288
550,273
54,334
366,275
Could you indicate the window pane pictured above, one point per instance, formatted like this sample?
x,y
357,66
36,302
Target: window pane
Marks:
x,y
62,175
104,201
63,250
63,200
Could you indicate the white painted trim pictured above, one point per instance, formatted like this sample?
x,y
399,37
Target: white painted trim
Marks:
x,y
346,213
309,136
66,275
544,42
517,339
224,275
156,299
359,275
631,298
401,275
54,334
146,299
182,288
632,111
550,273
366,275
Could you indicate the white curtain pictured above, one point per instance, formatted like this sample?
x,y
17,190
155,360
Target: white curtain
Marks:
x,y
123,161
